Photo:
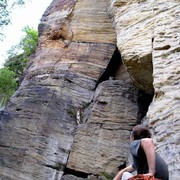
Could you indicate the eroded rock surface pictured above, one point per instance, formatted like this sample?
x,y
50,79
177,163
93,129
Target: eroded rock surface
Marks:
x,y
164,112
78,102
133,22
148,39
106,127
40,125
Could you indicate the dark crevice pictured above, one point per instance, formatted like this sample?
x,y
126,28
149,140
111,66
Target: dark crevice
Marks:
x,y
112,67
5,146
68,171
122,166
144,100
102,102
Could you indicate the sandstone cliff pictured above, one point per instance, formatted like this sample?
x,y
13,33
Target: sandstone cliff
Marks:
x,y
98,67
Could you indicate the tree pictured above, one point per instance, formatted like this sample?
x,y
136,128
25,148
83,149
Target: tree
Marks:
x,y
17,62
5,11
8,85
29,43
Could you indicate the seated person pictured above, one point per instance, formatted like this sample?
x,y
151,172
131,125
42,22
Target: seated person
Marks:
x,y
145,160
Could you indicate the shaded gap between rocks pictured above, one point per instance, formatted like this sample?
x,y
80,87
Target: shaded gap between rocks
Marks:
x,y
112,67
144,100
68,171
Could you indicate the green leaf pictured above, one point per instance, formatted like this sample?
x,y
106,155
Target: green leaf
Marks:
x,y
18,62
8,85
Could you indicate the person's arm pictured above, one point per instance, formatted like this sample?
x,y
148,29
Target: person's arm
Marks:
x,y
120,173
148,147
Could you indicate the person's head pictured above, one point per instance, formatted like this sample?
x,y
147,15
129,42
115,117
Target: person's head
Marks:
x,y
140,132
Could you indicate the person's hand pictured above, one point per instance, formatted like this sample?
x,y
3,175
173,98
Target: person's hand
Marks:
x,y
149,174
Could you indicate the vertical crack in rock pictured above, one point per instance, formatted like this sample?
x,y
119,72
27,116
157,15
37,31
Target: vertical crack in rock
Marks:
x,y
112,67
107,122
144,100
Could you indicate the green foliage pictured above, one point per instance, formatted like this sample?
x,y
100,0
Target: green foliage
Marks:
x,y
5,11
106,176
8,85
27,46
15,65
29,43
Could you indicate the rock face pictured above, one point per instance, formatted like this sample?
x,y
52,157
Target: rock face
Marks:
x,y
164,112
133,21
106,126
97,65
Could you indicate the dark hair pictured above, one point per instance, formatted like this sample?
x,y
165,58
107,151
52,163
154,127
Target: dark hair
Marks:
x,y
140,131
